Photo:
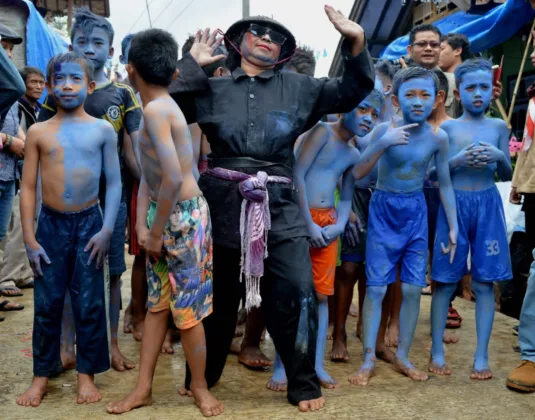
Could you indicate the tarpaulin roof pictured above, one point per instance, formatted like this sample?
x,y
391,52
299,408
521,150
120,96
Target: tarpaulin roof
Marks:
x,y
484,32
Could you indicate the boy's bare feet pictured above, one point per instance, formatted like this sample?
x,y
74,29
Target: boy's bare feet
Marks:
x,y
327,381
392,335
439,369
407,369
450,338
128,319
339,351
35,393
137,329
87,391
277,386
183,392
311,405
235,347
68,360
384,353
135,399
254,358
481,375
330,331
167,346
206,402
353,311
363,376
119,362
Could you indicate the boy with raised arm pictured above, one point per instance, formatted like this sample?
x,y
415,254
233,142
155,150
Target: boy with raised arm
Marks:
x,y
67,252
397,222
178,238
479,147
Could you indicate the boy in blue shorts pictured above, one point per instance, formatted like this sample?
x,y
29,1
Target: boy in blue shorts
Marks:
x,y
92,36
397,222
479,147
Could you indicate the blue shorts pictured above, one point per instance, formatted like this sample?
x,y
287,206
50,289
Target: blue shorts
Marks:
x,y
397,234
482,230
116,258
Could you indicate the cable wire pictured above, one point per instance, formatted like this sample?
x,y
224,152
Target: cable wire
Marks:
x,y
180,14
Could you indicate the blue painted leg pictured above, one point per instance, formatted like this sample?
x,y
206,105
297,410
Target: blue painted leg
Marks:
x,y
439,316
68,333
278,381
408,319
371,321
326,380
484,319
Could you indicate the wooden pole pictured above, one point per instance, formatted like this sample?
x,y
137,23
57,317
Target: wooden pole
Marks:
x,y
503,112
519,78
69,14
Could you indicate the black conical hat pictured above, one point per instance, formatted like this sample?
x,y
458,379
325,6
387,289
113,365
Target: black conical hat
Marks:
x,y
236,29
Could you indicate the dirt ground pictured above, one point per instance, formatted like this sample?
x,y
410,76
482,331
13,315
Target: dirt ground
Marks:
x,y
389,395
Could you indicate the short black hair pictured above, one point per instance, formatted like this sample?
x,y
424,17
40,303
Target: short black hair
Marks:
x,y
86,21
423,28
413,72
154,54
124,43
26,71
209,69
70,57
188,44
443,83
459,41
303,61
385,69
471,65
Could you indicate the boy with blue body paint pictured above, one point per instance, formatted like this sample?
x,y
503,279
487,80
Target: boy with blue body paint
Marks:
x,y
71,151
397,223
92,36
479,147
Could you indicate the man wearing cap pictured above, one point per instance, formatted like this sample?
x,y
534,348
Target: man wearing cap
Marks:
x,y
252,120
12,140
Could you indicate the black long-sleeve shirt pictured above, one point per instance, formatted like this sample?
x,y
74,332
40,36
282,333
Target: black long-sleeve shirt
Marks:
x,y
261,117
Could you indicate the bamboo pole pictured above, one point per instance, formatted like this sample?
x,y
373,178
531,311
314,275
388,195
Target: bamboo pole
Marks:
x,y
503,112
519,78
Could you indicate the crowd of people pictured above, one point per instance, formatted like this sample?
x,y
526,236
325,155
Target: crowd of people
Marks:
x,y
236,177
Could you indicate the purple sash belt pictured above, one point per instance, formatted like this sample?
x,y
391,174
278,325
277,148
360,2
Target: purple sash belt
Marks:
x,y
255,222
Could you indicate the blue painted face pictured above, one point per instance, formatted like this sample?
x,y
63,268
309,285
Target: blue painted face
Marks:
x,y
95,46
416,99
363,118
475,91
69,85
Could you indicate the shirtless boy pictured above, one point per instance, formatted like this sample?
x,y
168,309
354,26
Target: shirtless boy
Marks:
x,y
71,150
397,223
479,147
173,224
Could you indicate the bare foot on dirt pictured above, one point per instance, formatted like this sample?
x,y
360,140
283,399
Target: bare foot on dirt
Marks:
x,y
35,393
339,352
183,392
327,381
137,329
206,402
330,332
68,360
235,347
384,353
439,369
167,346
353,311
311,405
254,358
363,376
409,370
87,391
128,320
392,335
450,338
119,362
133,400
481,375
277,386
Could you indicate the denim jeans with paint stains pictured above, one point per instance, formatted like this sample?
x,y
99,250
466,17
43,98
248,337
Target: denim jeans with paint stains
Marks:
x,y
7,195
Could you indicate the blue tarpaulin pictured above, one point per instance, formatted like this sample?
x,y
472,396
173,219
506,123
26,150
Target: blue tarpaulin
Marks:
x,y
42,43
484,32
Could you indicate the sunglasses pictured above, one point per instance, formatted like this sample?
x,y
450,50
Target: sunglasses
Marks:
x,y
423,44
260,31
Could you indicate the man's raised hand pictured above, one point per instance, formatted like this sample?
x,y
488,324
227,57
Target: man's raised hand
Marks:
x,y
204,46
347,28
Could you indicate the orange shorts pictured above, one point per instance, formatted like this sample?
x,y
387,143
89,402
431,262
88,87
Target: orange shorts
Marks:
x,y
324,259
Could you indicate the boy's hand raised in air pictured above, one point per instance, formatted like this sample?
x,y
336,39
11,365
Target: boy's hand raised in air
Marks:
x,y
35,253
396,136
99,244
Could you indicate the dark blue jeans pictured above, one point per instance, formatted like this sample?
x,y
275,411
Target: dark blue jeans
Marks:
x,y
64,236
7,194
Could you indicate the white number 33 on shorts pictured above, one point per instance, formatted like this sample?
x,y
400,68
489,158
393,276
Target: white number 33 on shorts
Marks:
x,y
493,248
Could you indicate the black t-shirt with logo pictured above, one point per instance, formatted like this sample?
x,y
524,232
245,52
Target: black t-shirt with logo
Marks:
x,y
113,102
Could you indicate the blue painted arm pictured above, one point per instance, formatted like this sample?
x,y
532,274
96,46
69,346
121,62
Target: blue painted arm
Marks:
x,y
112,173
346,199
505,169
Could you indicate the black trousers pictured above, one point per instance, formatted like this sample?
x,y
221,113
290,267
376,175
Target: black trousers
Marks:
x,y
289,303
